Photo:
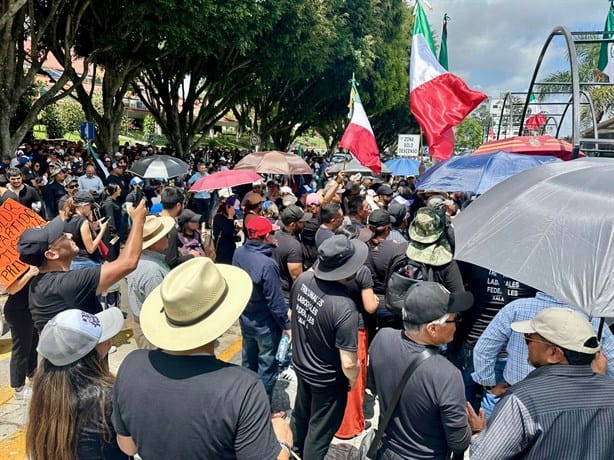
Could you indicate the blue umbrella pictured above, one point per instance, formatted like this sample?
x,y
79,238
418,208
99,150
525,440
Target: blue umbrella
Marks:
x,y
403,166
478,173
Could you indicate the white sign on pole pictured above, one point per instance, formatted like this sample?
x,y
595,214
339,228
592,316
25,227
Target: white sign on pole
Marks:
x,y
409,145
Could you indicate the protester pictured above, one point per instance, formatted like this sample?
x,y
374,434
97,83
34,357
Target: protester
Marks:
x,y
54,190
55,288
189,235
180,401
26,194
429,421
224,230
72,390
91,183
150,271
265,317
111,209
564,408
331,218
172,199
384,195
202,199
324,331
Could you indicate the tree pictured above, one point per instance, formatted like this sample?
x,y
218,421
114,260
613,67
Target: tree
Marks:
x,y
469,135
27,29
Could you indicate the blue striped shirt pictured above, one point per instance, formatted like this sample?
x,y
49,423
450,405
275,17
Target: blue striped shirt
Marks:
x,y
558,412
499,336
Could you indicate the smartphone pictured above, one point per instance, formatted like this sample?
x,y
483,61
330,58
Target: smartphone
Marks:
x,y
96,213
114,240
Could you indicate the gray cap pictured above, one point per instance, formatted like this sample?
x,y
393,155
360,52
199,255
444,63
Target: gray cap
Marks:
x,y
427,301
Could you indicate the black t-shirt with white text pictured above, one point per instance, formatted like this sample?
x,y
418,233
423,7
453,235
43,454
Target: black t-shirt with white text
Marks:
x,y
324,320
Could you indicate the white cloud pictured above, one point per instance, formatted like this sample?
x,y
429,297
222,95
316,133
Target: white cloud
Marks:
x,y
494,44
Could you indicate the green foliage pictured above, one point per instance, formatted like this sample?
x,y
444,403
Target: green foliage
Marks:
x,y
149,125
50,118
469,134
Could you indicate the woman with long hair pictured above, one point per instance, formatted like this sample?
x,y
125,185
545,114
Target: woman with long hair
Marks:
x,y
224,230
189,235
81,223
112,210
72,390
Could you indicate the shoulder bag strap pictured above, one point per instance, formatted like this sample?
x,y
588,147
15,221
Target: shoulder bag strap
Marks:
x,y
427,353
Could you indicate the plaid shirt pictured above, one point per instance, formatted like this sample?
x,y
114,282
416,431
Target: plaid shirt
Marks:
x,y
499,336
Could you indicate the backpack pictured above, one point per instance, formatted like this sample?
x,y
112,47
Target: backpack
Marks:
x,y
402,273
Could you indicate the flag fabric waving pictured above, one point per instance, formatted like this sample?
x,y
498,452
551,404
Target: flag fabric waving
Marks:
x,y
537,118
358,137
443,47
443,146
438,99
606,55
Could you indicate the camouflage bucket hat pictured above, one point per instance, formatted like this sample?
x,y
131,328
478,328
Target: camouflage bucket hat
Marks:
x,y
436,254
427,226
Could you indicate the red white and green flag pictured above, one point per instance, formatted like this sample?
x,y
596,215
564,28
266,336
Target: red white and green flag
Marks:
x,y
606,54
537,117
438,99
358,137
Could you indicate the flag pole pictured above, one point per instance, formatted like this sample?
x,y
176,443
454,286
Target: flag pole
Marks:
x,y
352,83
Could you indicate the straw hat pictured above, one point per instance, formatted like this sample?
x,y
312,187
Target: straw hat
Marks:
x,y
156,228
195,304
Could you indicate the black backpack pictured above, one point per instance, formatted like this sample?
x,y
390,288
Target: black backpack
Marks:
x,y
402,273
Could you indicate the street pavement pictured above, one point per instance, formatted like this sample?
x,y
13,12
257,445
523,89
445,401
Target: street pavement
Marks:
x,y
13,413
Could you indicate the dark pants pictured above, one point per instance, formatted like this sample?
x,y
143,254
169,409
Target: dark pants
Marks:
x,y
24,339
317,416
201,206
259,355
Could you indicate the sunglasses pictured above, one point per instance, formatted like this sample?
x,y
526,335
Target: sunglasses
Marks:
x,y
456,320
528,338
72,186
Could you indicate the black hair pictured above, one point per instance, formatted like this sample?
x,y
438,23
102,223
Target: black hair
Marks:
x,y
355,204
170,197
111,189
329,212
576,358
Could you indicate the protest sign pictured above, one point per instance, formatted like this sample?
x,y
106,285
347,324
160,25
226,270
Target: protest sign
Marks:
x,y
14,219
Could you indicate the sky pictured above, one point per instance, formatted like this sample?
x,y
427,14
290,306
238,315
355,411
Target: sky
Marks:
x,y
494,45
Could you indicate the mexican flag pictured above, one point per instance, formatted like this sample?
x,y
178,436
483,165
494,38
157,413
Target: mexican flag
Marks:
x,y
438,99
606,55
537,119
358,137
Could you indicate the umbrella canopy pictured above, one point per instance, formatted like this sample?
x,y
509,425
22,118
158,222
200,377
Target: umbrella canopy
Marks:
x,y
477,174
274,162
225,179
404,166
532,145
159,167
353,166
551,227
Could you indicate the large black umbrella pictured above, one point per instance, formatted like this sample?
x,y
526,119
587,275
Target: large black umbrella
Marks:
x,y
159,167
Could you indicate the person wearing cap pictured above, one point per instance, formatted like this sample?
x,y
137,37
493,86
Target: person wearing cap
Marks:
x,y
562,409
289,252
55,288
252,207
331,218
86,232
381,252
189,232
430,419
384,195
150,271
26,194
201,199
91,183
310,228
180,401
498,338
325,333
71,185
72,390
398,228
272,192
265,317
54,190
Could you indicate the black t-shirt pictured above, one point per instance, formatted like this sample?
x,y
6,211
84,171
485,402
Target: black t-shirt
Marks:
x,y
8,194
54,292
363,280
52,193
192,407
28,195
378,260
324,320
289,250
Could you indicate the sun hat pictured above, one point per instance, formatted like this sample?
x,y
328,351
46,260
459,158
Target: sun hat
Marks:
x,y
294,214
285,189
435,254
339,258
35,241
55,169
427,226
427,301
380,218
289,199
313,198
254,198
563,327
260,226
187,215
156,228
72,334
195,304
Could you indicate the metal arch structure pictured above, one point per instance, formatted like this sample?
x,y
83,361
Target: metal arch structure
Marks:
x,y
578,97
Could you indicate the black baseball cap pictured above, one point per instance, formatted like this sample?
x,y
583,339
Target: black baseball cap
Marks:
x,y
34,242
385,189
380,218
83,197
294,213
427,301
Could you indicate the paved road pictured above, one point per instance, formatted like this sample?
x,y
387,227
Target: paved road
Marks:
x,y
13,413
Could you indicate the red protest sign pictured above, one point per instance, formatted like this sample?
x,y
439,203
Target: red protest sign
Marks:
x,y
14,219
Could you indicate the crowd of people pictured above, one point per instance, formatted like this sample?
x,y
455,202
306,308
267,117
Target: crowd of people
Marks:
x,y
305,261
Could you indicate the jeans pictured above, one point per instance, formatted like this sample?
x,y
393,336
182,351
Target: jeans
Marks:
x,y
317,415
77,264
259,355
